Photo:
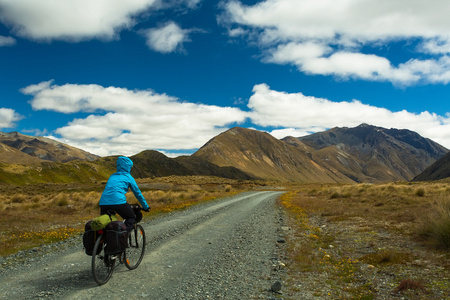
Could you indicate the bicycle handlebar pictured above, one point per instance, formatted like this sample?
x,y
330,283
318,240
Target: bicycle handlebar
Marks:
x,y
139,208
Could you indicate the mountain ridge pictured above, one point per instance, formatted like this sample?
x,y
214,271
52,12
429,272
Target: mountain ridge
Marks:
x,y
375,152
45,149
437,171
364,153
262,155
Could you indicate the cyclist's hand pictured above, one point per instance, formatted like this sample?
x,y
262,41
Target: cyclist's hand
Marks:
x,y
147,210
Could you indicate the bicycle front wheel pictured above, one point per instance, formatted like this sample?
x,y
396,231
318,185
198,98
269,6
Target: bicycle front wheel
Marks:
x,y
102,264
136,248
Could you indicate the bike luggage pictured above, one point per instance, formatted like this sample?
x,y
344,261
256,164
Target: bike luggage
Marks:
x,y
116,237
101,222
89,238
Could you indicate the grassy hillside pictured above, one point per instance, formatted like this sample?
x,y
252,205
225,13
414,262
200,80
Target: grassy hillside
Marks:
x,y
71,172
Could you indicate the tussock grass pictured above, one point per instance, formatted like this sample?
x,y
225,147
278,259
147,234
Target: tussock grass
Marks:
x,y
387,257
435,224
409,210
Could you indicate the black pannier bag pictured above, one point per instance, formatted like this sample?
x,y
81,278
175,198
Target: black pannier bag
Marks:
x,y
89,238
116,237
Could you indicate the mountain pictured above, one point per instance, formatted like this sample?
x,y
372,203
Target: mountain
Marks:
x,y
262,156
29,160
439,170
199,166
344,155
371,154
12,155
151,163
40,147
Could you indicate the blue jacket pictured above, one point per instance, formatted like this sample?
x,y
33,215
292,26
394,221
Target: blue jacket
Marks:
x,y
119,183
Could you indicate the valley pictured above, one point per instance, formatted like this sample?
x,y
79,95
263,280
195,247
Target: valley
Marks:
x,y
359,213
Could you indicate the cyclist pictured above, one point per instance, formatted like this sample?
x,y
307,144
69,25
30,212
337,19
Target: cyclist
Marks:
x,y
114,195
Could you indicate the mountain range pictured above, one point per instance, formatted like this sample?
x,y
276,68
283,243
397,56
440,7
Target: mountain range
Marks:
x,y
20,148
364,153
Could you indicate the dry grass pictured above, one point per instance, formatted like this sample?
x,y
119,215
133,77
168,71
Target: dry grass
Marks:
x,y
409,284
409,208
39,214
362,216
435,224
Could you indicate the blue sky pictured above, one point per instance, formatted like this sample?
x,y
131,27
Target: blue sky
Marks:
x,y
121,76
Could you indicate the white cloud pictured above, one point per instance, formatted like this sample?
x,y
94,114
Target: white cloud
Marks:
x,y
127,122
295,113
236,32
361,20
436,46
7,41
7,117
166,38
122,121
326,37
70,19
295,132
76,20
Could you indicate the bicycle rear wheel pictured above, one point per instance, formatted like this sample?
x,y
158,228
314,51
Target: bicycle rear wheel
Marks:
x,y
136,247
102,264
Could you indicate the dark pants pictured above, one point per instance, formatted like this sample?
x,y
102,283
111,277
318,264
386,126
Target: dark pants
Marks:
x,y
124,210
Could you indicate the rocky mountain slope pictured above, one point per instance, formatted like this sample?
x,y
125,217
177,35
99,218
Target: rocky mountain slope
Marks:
x,y
369,154
39,147
10,155
439,170
261,155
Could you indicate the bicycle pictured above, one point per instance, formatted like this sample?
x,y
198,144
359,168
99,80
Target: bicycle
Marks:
x,y
103,264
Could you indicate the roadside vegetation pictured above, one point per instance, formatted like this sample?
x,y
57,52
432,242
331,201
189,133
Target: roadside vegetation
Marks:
x,y
366,241
355,241
33,215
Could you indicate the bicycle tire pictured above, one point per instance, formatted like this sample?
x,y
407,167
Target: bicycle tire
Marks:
x,y
134,253
102,264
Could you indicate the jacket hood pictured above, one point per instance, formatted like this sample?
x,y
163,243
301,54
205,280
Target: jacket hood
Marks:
x,y
124,164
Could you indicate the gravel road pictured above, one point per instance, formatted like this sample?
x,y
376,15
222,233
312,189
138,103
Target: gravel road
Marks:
x,y
224,249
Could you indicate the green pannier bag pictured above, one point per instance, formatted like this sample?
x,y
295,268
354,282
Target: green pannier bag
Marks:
x,y
101,222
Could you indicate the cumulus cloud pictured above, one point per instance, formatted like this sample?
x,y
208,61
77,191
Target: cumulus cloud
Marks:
x,y
122,121
296,114
327,37
72,19
7,41
76,20
7,117
126,122
166,38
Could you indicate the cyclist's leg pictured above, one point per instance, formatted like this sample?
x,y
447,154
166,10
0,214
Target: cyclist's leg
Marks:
x,y
126,212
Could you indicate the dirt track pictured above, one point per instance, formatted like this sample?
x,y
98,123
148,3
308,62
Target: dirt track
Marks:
x,y
225,249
